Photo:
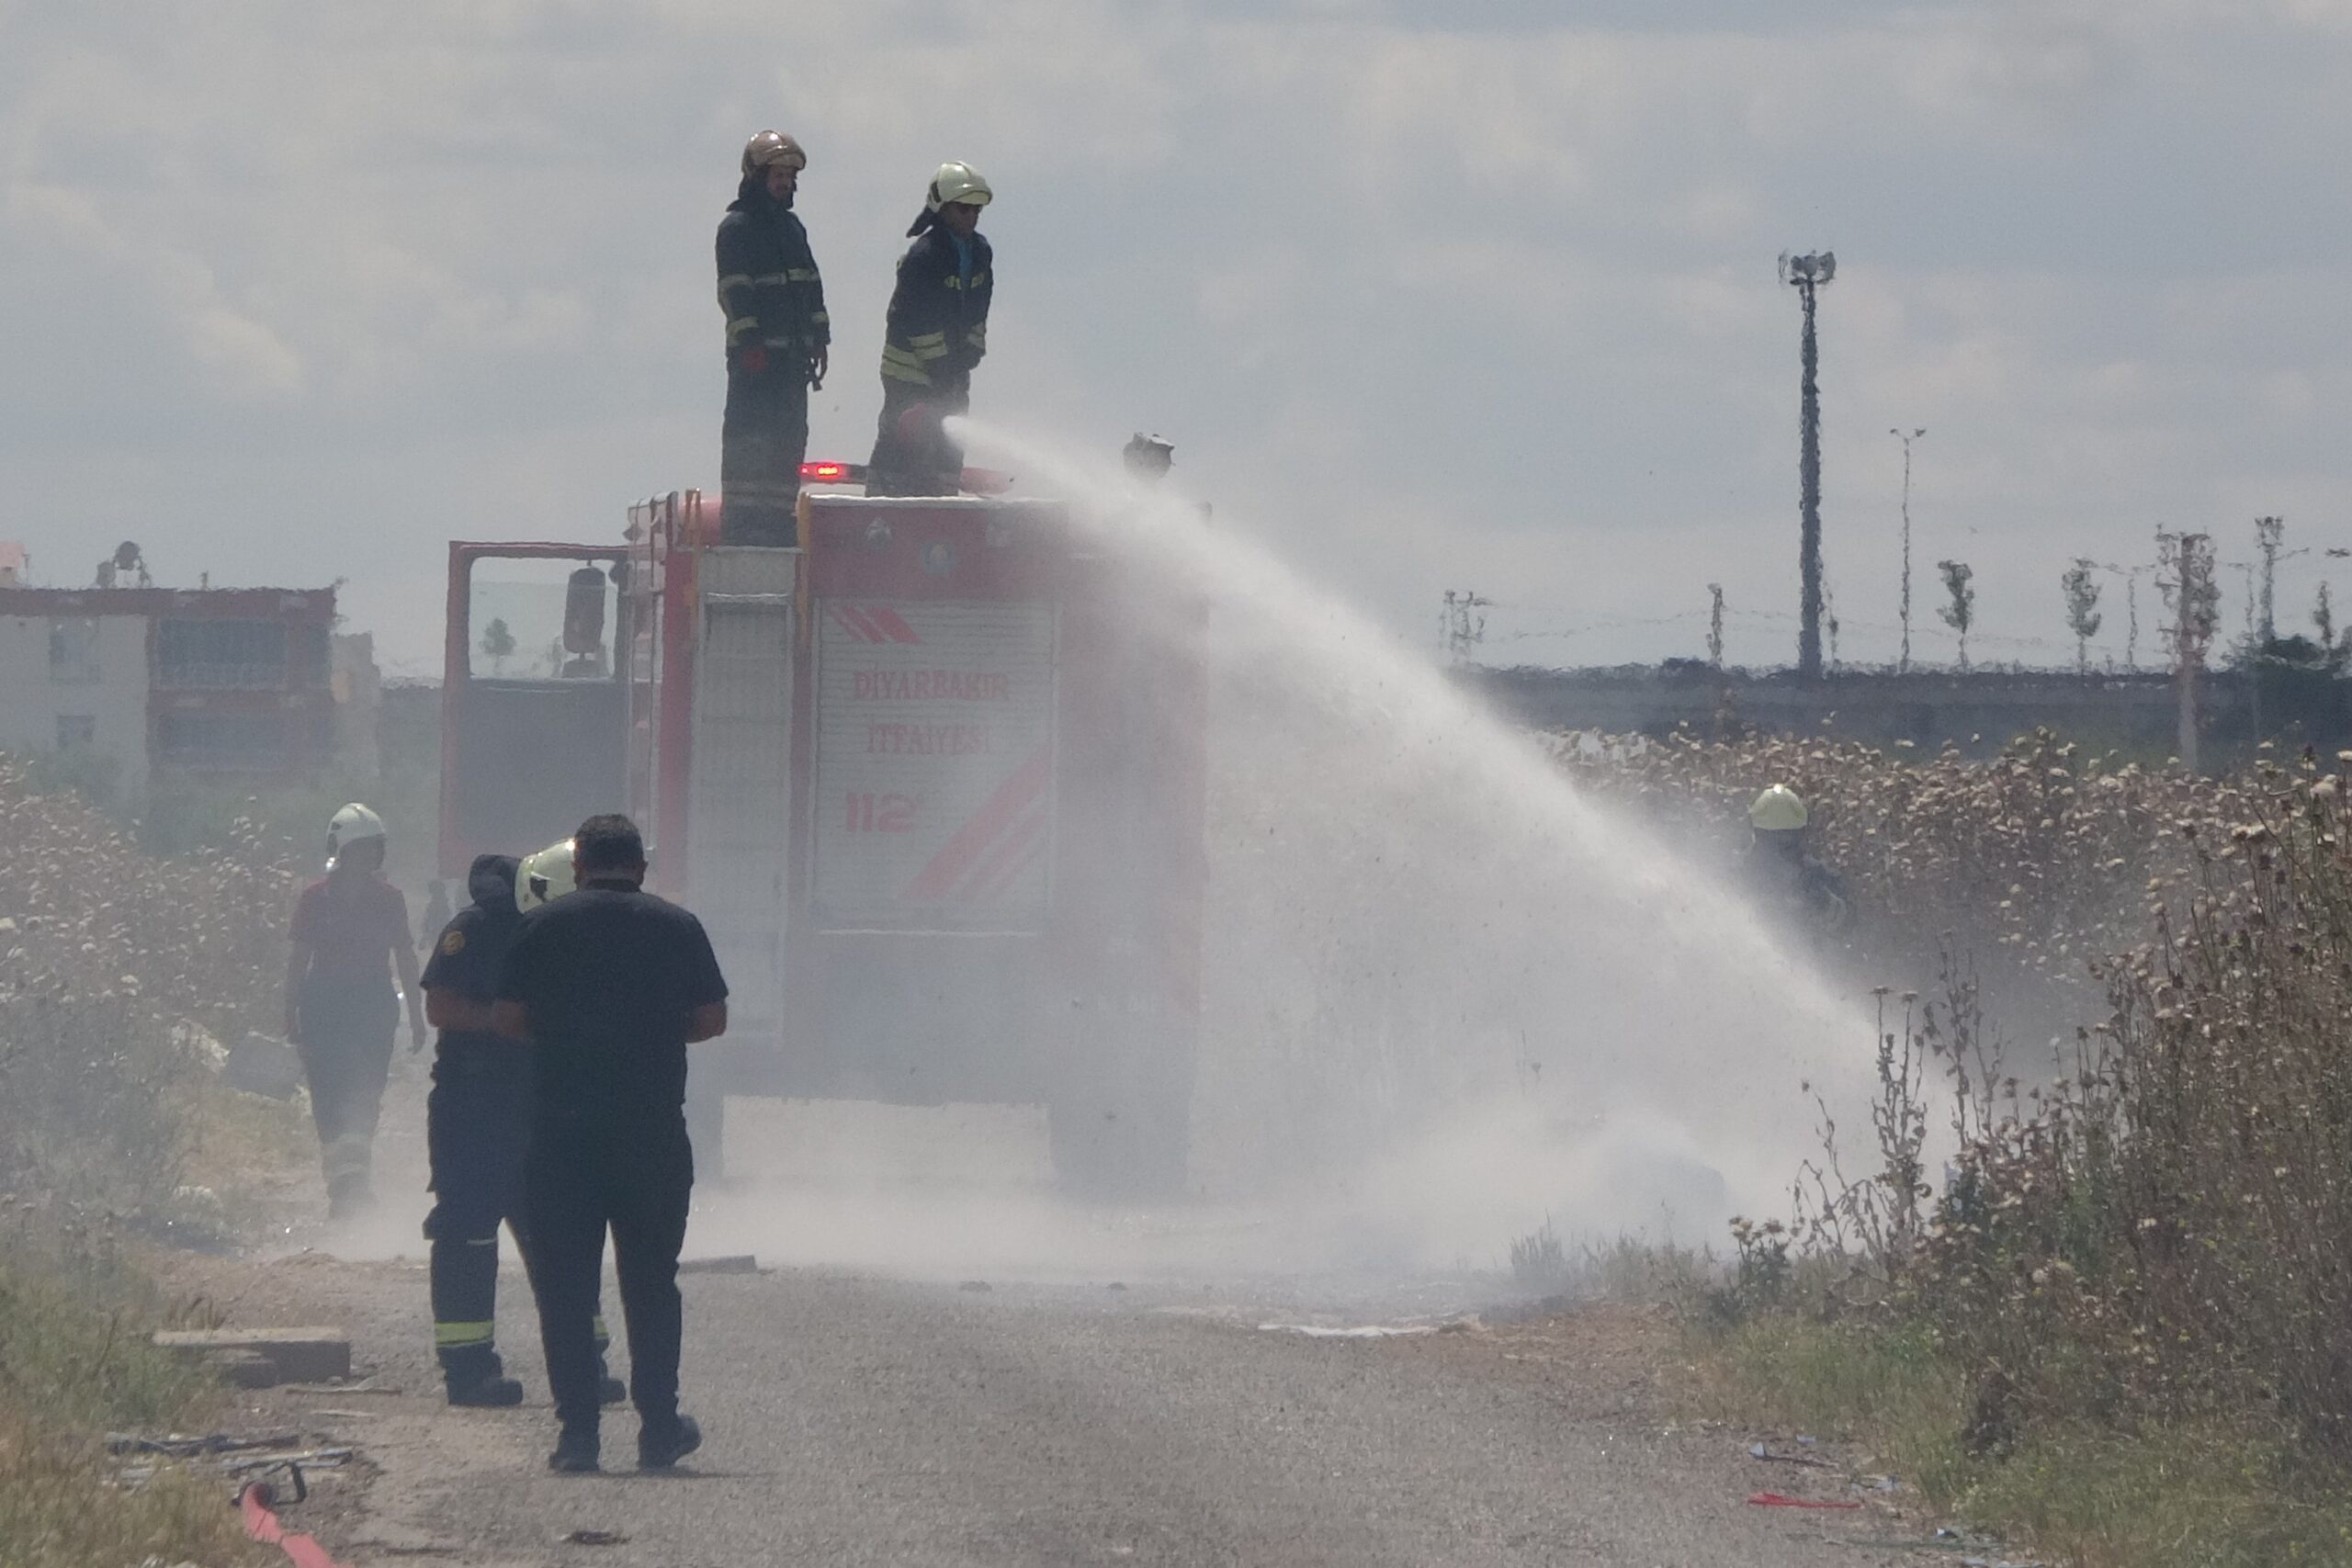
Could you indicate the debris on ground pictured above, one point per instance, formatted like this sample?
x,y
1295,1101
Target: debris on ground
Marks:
x,y
596,1537
1760,1450
260,1064
1365,1331
734,1263
977,1286
1783,1500
178,1447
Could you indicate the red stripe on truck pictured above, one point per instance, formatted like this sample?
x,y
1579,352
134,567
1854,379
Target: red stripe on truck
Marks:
x,y
970,841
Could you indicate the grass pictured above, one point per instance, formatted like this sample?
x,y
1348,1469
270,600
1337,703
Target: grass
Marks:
x,y
76,1362
2152,1495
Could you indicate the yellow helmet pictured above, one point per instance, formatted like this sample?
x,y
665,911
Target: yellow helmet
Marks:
x,y
1779,809
545,876
773,147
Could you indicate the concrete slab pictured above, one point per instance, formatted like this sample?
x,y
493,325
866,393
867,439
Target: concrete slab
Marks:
x,y
294,1355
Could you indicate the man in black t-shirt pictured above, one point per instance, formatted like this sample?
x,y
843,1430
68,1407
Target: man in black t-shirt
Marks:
x,y
477,1129
610,985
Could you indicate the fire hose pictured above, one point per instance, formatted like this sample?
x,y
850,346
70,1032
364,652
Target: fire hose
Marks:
x,y
256,1500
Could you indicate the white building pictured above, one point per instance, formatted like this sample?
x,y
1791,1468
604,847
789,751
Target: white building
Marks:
x,y
225,681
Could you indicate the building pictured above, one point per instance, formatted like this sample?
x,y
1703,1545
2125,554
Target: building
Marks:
x,y
236,681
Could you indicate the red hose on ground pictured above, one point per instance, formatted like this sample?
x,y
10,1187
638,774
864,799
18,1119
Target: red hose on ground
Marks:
x,y
252,1501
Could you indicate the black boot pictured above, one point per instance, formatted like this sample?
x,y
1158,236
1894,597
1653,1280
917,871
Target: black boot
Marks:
x,y
476,1379
610,1390
575,1451
486,1393
659,1447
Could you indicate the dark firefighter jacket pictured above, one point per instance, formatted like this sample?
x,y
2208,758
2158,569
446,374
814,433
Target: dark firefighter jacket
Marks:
x,y
767,278
939,321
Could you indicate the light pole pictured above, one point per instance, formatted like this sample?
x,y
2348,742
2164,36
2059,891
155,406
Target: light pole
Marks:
x,y
1903,665
1806,275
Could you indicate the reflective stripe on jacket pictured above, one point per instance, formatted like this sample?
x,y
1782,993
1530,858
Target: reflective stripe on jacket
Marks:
x,y
768,285
939,318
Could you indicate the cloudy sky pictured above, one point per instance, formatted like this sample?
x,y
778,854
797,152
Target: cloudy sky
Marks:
x,y
1476,295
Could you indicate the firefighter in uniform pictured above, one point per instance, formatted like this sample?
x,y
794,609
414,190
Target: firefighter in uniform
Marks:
x,y
610,985
349,938
778,340
478,1124
938,331
1783,870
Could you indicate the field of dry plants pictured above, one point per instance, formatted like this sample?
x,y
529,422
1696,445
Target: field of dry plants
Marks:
x,y
114,967
2120,1314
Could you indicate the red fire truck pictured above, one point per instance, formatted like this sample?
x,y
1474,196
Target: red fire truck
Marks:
x,y
933,780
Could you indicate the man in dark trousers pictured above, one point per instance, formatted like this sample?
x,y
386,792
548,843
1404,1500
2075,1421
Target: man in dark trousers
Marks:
x,y
349,938
937,332
779,339
478,1128
610,985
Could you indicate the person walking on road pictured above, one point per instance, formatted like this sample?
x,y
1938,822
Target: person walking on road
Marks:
x,y
478,1126
778,342
610,985
350,937
937,332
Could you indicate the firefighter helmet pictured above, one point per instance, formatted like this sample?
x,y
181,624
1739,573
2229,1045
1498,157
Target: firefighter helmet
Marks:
x,y
773,147
354,824
544,876
1148,456
1779,809
957,183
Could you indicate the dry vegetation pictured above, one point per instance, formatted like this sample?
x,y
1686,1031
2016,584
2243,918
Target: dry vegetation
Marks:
x,y
114,967
2119,1310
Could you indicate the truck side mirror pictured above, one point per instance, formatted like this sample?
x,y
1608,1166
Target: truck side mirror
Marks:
x,y
584,610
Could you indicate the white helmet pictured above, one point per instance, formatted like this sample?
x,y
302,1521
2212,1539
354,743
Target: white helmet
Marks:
x,y
957,182
545,876
353,825
1779,809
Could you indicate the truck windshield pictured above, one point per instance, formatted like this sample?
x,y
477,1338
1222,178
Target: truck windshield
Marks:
x,y
540,620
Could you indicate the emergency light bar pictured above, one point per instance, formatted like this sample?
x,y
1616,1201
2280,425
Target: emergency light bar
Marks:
x,y
974,481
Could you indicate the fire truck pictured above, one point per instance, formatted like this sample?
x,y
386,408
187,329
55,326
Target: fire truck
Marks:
x,y
932,779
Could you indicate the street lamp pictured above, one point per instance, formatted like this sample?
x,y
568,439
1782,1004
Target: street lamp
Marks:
x,y
1806,275
1903,666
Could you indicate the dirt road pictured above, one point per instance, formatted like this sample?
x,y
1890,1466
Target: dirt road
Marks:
x,y
868,1420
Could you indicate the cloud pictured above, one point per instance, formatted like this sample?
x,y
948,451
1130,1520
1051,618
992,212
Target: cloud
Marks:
x,y
1461,293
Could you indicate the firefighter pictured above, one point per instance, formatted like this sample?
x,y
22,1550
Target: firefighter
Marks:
x,y
1783,872
1148,457
349,937
778,341
478,1124
938,331
610,985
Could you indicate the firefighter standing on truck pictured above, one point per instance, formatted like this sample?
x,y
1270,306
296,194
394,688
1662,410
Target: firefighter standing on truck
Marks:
x,y
478,1124
610,985
350,937
938,331
778,340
